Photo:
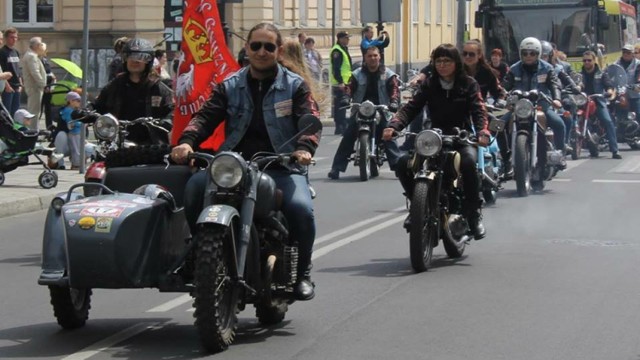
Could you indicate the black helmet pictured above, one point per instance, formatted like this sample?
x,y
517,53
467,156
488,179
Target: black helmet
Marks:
x,y
140,50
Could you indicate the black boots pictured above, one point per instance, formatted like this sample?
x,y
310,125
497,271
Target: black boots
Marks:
x,y
304,287
475,224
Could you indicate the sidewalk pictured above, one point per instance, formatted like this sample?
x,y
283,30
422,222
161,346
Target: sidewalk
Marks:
x,y
21,192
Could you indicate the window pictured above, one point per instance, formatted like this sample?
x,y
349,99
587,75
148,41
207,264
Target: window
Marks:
x,y
450,12
427,11
303,13
277,11
338,12
414,11
354,12
322,12
439,12
37,13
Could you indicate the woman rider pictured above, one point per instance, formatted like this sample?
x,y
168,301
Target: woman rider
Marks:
x,y
453,100
477,67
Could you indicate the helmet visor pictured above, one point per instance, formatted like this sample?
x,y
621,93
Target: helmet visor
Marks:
x,y
139,56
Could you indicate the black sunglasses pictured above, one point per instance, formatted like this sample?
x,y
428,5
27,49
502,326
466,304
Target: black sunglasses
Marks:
x,y
257,45
469,54
587,60
528,53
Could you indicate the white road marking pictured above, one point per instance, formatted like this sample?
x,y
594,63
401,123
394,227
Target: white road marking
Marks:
x,y
611,181
106,343
352,227
171,304
340,243
561,180
574,164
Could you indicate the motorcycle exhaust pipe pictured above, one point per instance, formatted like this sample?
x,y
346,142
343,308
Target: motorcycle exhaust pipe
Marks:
x,y
490,181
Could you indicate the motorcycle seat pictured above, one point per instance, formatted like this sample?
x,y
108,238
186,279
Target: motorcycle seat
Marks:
x,y
127,179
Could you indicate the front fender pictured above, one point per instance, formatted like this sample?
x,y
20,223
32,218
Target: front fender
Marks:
x,y
218,214
96,171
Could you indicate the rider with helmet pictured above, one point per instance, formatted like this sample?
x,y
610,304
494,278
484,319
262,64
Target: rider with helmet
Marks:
x,y
532,73
136,93
632,66
567,82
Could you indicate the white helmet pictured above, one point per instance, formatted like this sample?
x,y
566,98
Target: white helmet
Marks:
x,y
531,43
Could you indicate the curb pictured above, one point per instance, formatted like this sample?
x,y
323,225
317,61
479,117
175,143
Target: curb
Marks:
x,y
25,205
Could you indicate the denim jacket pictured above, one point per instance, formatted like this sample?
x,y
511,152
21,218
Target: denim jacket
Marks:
x,y
544,79
361,88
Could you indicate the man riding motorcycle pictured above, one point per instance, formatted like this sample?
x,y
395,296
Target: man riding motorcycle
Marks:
x,y
262,103
453,100
598,82
135,93
378,84
632,66
532,73
568,84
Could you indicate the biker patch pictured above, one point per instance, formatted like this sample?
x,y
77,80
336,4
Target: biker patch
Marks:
x,y
542,78
283,108
103,225
156,101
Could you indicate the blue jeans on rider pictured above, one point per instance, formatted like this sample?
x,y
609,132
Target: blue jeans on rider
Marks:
x,y
569,121
297,207
555,122
349,137
602,112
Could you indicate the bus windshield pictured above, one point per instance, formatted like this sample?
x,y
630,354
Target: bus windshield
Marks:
x,y
563,26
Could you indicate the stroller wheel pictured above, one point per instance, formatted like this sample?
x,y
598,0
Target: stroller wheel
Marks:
x,y
1,177
48,179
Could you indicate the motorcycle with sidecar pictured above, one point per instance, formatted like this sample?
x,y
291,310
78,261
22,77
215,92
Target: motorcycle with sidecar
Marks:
x,y
135,235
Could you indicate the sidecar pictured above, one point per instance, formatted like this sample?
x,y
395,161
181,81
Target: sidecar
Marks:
x,y
124,238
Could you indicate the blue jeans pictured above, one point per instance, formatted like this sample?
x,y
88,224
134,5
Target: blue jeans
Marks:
x,y
297,207
605,118
555,122
11,101
349,136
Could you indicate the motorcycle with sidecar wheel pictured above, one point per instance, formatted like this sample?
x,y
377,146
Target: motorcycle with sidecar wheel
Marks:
x,y
241,255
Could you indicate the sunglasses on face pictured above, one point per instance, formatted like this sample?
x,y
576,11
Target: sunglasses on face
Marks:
x,y
469,54
528,53
257,45
587,60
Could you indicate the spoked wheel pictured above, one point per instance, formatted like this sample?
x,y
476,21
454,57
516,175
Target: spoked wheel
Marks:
x,y
576,144
490,196
270,311
424,227
363,156
70,306
48,179
216,296
454,244
1,178
375,171
593,141
522,169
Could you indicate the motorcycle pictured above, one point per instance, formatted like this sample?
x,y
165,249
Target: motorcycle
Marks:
x,y
625,121
122,143
369,153
529,133
490,164
587,132
241,255
435,210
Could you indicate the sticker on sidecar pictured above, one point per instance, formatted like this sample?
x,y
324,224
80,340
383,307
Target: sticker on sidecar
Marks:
x,y
72,223
103,225
71,211
102,211
86,223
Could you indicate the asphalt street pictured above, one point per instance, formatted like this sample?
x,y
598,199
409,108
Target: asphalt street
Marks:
x,y
555,278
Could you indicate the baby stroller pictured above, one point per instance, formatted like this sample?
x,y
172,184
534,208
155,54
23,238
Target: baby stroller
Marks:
x,y
17,144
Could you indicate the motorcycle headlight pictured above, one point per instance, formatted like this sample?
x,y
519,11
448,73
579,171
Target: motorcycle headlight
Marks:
x,y
428,143
580,99
524,108
367,109
106,127
227,170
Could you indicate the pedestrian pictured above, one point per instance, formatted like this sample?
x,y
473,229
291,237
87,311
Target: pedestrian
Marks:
x,y
340,75
34,77
67,140
116,66
499,65
161,67
313,58
636,51
4,75
10,61
302,37
367,40
46,97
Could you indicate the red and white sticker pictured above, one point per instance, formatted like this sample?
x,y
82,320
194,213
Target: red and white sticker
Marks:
x,y
102,211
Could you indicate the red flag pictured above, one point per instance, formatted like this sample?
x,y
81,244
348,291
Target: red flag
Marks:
x,y
205,61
